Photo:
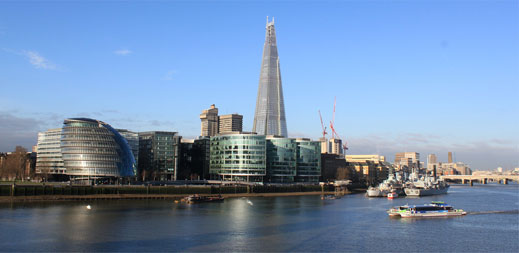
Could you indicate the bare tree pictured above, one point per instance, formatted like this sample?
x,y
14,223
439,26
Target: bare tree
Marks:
x,y
15,164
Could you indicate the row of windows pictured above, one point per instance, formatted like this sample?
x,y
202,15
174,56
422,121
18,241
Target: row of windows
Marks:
x,y
86,150
90,164
87,138
88,144
93,171
241,152
91,157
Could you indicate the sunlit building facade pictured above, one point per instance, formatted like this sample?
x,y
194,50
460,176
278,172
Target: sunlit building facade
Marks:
x,y
49,159
308,160
93,149
238,157
281,159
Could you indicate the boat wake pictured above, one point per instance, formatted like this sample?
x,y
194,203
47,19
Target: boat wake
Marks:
x,y
496,212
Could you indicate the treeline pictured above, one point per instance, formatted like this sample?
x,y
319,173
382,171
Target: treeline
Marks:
x,y
15,165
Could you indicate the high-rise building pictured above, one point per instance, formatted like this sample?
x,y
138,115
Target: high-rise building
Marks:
x,y
269,117
48,158
335,146
159,155
450,157
230,123
431,158
209,118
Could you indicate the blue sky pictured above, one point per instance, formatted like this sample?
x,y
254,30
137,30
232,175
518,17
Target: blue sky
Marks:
x,y
425,76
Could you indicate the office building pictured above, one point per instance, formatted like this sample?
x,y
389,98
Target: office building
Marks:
x,y
308,160
49,159
92,149
408,160
334,167
230,123
209,124
335,146
159,155
449,157
269,116
281,159
238,157
259,158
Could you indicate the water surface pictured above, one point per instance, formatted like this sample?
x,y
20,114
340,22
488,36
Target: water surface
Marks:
x,y
299,223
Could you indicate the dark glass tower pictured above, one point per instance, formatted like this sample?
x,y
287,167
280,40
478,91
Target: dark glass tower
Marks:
x,y
269,118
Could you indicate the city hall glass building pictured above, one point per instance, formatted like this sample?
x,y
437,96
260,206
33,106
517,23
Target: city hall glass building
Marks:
x,y
89,149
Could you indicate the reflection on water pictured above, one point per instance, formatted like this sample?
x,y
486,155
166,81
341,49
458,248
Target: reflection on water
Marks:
x,y
301,223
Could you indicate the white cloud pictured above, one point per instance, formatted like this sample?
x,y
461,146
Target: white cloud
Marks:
x,y
169,75
38,61
122,52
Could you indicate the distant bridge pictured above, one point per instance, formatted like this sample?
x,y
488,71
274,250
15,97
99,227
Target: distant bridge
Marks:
x,y
483,179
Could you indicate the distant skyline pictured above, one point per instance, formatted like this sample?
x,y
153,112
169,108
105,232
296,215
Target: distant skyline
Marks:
x,y
424,76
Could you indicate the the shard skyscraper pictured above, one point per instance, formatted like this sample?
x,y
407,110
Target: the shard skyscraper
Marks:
x,y
269,118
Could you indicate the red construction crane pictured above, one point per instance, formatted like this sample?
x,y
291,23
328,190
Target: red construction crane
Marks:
x,y
334,133
322,125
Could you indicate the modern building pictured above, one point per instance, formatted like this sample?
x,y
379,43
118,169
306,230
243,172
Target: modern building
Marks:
x,y
308,160
449,159
203,147
335,146
159,155
209,124
92,149
281,159
230,123
133,141
238,157
49,159
269,116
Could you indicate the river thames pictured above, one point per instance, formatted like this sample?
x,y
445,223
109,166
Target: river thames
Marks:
x,y
300,223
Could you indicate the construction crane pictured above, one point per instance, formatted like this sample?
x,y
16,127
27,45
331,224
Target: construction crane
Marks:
x,y
322,125
334,133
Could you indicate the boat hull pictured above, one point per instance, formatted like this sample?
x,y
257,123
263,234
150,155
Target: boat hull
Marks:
x,y
375,192
431,214
425,192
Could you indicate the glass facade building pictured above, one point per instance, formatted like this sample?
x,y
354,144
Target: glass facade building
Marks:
x,y
308,160
281,160
133,141
48,158
93,149
238,157
159,155
269,117
259,158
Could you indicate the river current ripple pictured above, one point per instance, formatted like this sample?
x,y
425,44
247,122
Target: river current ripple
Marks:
x,y
288,224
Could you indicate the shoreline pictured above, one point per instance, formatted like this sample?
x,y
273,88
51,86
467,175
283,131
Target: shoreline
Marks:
x,y
96,197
